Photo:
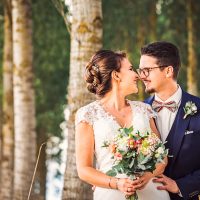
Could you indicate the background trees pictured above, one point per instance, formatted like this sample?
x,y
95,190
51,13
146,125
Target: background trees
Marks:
x,y
85,39
24,98
127,25
7,144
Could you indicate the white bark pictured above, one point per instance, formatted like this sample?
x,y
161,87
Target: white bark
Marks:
x,y
192,56
86,38
7,162
24,97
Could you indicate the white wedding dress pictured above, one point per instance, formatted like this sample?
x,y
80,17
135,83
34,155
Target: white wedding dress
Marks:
x,y
105,127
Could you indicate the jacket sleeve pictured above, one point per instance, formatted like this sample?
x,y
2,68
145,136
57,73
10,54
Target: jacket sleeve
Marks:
x,y
189,185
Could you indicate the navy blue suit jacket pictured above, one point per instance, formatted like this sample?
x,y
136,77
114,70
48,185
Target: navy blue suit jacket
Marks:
x,y
183,143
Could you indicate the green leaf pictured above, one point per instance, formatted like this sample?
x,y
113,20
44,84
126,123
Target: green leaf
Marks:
x,y
146,159
126,131
105,144
132,163
129,155
131,129
141,167
111,173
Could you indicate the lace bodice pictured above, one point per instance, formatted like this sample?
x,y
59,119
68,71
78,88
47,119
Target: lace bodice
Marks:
x,y
94,111
105,126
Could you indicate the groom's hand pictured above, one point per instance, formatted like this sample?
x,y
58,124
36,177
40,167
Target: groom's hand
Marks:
x,y
168,184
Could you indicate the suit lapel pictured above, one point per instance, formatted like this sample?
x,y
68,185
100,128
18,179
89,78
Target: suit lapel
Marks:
x,y
150,100
179,127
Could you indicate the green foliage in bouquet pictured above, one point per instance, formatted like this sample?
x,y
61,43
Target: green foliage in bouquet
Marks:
x,y
135,152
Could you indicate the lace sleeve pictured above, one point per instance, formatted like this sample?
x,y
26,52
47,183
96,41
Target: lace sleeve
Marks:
x,y
83,115
150,112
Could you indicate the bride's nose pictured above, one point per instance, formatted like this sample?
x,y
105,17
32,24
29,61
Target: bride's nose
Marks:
x,y
136,76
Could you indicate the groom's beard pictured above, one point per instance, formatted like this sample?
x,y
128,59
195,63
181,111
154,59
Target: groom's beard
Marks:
x,y
150,90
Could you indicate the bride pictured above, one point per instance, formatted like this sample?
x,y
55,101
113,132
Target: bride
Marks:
x,y
110,76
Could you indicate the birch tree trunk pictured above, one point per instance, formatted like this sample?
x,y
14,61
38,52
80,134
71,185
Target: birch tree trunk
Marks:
x,y
24,98
152,21
7,162
141,89
192,57
86,38
146,32
141,32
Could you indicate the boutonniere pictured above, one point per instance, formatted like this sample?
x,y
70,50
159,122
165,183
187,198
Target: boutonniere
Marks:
x,y
189,109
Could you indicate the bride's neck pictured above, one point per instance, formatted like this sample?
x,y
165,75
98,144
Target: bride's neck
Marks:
x,y
114,100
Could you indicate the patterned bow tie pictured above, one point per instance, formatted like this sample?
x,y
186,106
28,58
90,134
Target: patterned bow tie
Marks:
x,y
158,106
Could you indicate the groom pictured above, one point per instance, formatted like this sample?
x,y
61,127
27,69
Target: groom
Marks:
x,y
159,68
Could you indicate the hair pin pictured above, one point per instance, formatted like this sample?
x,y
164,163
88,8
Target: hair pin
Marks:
x,y
95,67
94,83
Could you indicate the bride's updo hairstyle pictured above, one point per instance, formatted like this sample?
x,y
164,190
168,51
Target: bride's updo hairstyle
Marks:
x,y
99,69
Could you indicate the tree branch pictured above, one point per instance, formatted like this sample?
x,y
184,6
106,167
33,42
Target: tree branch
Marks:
x,y
61,9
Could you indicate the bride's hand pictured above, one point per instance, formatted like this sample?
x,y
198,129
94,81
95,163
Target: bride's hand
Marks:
x,y
127,186
144,179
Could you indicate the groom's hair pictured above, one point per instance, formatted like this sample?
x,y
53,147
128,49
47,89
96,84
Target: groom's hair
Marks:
x,y
166,53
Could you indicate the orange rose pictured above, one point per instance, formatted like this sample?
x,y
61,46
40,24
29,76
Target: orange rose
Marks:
x,y
112,148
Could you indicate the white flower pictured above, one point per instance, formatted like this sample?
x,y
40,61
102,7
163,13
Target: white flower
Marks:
x,y
160,150
194,108
157,155
122,144
188,104
189,109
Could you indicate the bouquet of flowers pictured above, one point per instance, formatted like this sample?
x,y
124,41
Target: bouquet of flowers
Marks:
x,y
135,153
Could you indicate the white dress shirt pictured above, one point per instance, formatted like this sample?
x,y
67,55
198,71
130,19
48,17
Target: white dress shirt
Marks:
x,y
165,118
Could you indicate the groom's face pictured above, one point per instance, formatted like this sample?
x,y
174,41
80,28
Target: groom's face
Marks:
x,y
150,74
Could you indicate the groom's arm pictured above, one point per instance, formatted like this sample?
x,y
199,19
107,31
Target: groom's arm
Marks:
x,y
189,185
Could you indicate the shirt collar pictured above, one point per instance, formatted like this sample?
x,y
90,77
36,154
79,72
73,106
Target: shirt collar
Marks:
x,y
175,97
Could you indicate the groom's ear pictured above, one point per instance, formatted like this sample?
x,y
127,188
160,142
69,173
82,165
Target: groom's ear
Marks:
x,y
169,72
115,76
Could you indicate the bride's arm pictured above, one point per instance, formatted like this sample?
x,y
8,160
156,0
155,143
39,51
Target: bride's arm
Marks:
x,y
84,159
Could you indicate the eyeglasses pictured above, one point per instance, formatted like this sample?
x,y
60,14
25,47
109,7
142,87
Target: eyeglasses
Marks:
x,y
146,70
